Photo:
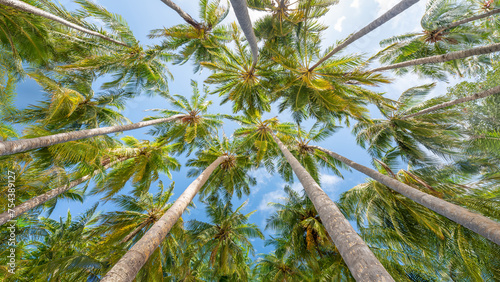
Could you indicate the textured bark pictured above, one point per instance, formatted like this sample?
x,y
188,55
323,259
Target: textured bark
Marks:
x,y
484,94
129,265
396,10
444,58
181,13
21,145
478,223
38,200
23,6
474,18
241,11
362,263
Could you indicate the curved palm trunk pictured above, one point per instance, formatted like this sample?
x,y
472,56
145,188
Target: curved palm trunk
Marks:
x,y
38,200
21,145
478,223
241,11
396,10
478,17
444,58
362,263
129,265
23,6
181,13
484,94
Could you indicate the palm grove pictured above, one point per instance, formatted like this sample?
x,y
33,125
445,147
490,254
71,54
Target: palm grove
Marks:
x,y
434,220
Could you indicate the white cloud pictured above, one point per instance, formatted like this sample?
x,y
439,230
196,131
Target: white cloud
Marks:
x,y
338,24
355,4
385,5
262,177
274,197
329,182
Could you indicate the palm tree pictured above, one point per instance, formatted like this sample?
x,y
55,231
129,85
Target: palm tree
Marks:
x,y
232,176
480,95
310,159
383,214
23,6
225,239
51,194
275,267
334,90
394,11
478,223
196,123
129,265
138,215
197,39
339,229
440,35
438,133
476,51
241,11
143,167
21,145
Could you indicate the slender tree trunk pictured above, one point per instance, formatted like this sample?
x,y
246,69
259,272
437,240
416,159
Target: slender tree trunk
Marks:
x,y
181,13
241,11
362,263
444,58
129,265
396,10
38,200
21,145
23,6
484,94
478,223
464,21
134,232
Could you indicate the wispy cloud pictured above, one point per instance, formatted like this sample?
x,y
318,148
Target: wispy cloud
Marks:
x,y
338,24
329,182
355,4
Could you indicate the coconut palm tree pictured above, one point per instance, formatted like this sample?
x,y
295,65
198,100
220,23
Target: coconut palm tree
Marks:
x,y
241,11
478,223
334,90
276,268
237,81
456,55
441,34
25,7
195,123
339,229
475,96
129,265
231,176
226,239
376,207
149,160
39,200
197,39
438,133
394,11
310,159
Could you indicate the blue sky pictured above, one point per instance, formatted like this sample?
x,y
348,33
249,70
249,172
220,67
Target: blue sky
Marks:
x,y
343,19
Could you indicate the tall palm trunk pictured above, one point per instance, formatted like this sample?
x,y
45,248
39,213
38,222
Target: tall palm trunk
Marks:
x,y
23,6
467,20
181,13
241,11
38,200
444,58
478,223
396,10
129,265
16,146
484,94
362,263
